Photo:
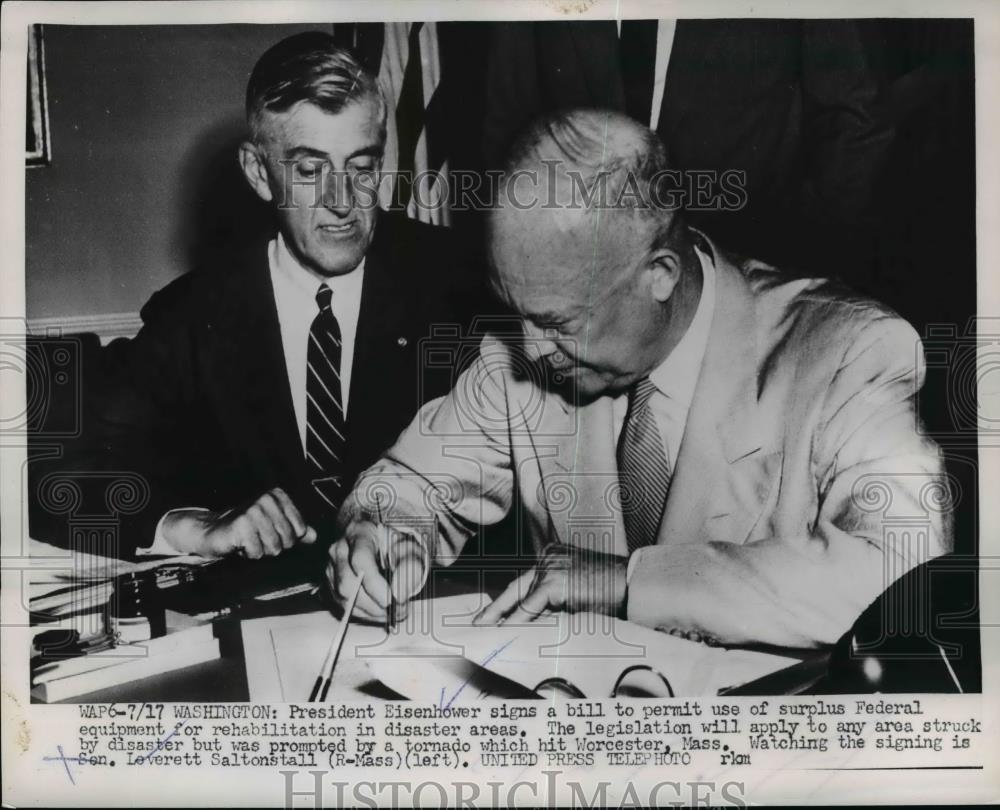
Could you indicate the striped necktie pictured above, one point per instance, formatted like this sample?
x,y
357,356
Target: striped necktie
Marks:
x,y
325,443
643,469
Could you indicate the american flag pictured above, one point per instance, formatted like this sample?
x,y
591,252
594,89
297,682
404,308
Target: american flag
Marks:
x,y
406,58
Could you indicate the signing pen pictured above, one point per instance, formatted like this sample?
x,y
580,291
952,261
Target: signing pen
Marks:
x,y
386,567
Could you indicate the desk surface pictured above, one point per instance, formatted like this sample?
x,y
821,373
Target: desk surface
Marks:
x,y
225,679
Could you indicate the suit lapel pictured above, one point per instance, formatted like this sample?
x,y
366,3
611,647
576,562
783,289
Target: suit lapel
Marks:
x,y
723,444
723,441
382,345
250,366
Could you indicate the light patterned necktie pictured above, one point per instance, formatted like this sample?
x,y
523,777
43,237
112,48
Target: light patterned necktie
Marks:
x,y
643,469
325,431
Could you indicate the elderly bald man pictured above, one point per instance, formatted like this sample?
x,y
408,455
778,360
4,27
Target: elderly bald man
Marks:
x,y
694,442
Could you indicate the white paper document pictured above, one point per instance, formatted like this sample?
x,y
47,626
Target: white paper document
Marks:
x,y
284,654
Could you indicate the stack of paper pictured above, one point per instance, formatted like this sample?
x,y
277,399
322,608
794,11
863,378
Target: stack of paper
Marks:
x,y
71,677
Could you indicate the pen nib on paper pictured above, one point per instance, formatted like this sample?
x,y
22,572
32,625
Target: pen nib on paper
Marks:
x,y
390,612
322,685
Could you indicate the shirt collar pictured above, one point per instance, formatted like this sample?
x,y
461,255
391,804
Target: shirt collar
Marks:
x,y
677,375
291,271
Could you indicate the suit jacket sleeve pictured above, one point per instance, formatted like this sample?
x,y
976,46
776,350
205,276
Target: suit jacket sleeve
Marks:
x,y
142,411
869,460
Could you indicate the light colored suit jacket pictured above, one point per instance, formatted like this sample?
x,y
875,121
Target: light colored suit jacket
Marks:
x,y
802,489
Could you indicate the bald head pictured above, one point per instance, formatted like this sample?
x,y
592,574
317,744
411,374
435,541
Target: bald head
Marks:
x,y
585,251
591,141
594,173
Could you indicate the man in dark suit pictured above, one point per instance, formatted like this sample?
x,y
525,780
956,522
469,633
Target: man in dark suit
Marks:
x,y
792,104
258,389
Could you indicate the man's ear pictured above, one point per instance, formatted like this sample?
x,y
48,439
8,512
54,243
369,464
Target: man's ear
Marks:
x,y
664,267
254,169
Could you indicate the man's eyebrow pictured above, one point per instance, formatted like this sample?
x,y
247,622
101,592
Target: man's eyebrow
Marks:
x,y
305,151
375,150
308,151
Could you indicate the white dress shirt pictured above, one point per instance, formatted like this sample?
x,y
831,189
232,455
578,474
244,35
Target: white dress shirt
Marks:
x,y
295,290
675,379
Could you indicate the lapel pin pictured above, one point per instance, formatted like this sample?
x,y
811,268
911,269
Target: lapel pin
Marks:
x,y
401,341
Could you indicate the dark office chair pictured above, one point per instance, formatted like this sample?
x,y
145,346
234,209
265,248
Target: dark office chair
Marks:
x,y
920,635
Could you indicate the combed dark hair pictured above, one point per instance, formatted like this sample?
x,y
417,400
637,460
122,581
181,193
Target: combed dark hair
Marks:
x,y
309,67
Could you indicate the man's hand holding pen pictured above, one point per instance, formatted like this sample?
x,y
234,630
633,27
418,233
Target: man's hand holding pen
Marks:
x,y
393,565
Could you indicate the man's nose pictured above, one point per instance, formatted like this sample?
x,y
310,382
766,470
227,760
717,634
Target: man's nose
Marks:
x,y
338,193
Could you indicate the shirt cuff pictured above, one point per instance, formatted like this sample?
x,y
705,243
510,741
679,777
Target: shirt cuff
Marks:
x,y
420,539
633,562
160,546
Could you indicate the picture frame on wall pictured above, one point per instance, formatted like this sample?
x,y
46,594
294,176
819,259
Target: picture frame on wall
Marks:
x,y
38,149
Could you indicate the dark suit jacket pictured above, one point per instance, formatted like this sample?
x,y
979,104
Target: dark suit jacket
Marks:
x,y
790,102
201,405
